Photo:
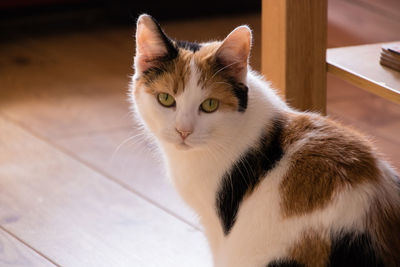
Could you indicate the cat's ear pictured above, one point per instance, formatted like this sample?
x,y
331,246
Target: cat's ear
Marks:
x,y
152,44
233,54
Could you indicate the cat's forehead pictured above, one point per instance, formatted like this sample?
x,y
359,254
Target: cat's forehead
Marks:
x,y
200,60
206,51
204,61
194,61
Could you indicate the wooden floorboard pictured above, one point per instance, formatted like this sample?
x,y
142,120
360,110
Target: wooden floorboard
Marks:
x,y
354,24
49,82
14,253
77,217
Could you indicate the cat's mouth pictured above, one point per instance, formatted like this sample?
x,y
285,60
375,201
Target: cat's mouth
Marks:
x,y
183,146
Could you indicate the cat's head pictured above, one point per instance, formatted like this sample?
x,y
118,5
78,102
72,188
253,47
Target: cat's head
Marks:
x,y
190,95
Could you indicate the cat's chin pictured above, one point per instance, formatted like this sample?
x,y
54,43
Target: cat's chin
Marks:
x,y
183,146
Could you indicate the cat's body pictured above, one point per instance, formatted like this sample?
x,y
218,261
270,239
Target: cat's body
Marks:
x,y
272,186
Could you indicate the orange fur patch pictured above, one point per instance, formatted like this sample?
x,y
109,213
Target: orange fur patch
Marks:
x,y
331,158
174,78
311,250
223,92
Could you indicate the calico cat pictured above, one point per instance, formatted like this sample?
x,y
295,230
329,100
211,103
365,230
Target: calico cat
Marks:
x,y
272,186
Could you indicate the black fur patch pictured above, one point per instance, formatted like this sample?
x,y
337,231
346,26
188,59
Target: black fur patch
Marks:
x,y
285,263
353,249
172,51
240,90
194,47
246,173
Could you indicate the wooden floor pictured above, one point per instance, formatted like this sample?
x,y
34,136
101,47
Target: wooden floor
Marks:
x,y
79,187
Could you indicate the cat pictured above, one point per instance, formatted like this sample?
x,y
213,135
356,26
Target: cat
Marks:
x,y
272,186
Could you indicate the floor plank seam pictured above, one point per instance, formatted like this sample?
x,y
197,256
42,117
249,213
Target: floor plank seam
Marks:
x,y
371,8
29,246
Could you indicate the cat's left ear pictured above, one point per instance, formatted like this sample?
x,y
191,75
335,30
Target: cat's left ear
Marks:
x,y
233,54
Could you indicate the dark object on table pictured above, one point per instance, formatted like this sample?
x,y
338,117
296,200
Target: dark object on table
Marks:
x,y
390,56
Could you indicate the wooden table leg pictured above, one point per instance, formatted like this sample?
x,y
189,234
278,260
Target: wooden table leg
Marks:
x,y
293,50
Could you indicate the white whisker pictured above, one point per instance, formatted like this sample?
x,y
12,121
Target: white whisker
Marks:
x,y
117,149
221,69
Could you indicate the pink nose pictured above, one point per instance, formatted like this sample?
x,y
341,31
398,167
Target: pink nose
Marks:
x,y
183,133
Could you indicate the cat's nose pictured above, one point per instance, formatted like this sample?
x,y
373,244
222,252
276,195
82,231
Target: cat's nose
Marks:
x,y
183,133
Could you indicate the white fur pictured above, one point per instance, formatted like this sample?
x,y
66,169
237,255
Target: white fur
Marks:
x,y
260,233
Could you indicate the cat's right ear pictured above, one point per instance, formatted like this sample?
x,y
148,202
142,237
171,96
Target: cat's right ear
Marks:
x,y
152,45
233,54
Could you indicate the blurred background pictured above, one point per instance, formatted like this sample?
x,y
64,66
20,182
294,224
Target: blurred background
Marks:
x,y
79,186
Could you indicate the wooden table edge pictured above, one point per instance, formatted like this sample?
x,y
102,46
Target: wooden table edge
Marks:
x,y
363,82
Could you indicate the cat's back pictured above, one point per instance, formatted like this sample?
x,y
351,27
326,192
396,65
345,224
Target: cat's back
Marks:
x,y
324,159
337,183
325,199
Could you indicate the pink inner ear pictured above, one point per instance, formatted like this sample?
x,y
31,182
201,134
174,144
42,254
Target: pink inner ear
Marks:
x,y
149,45
234,64
234,52
143,63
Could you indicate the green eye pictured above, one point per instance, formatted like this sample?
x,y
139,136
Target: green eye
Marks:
x,y
209,105
166,100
